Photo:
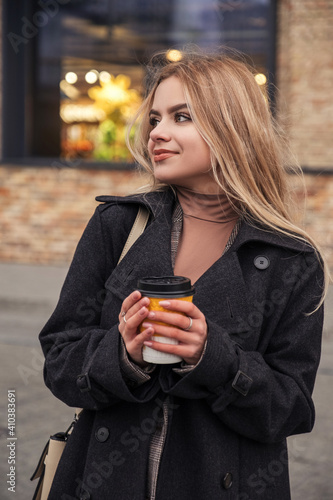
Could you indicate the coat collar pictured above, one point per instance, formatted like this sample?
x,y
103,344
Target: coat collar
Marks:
x,y
259,233
160,204
157,202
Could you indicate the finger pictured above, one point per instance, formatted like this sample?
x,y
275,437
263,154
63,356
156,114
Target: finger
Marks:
x,y
183,337
182,306
179,350
144,336
144,302
190,353
130,301
180,321
132,304
132,322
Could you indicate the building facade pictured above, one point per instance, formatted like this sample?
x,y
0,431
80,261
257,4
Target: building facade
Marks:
x,y
48,185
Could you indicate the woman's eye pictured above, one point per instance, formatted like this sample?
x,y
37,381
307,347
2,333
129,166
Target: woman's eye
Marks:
x,y
153,121
181,117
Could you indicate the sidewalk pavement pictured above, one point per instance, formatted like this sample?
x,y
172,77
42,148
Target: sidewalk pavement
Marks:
x,y
28,295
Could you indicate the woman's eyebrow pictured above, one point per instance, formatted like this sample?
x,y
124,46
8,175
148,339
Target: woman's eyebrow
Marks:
x,y
170,110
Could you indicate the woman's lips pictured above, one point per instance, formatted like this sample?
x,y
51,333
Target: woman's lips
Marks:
x,y
163,154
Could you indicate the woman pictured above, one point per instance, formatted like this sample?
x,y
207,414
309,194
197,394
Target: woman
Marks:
x,y
215,425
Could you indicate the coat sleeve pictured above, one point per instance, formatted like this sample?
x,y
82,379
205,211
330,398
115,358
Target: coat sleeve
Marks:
x,y
265,396
82,360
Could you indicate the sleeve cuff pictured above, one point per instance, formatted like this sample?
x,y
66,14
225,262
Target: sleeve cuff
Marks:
x,y
132,373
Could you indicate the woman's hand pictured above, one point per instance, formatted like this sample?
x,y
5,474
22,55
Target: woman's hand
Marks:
x,y
133,311
189,328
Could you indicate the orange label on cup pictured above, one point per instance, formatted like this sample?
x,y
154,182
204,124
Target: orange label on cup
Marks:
x,y
155,306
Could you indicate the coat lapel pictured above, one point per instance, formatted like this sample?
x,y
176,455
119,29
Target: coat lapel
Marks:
x,y
149,256
222,293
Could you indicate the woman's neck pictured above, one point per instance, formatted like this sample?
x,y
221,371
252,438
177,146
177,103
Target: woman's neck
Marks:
x,y
214,208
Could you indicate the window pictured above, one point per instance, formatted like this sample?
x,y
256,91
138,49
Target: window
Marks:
x,y
73,69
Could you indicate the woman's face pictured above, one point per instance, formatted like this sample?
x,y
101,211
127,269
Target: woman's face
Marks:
x,y
179,154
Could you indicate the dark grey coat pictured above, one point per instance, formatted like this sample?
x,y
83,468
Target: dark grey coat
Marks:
x,y
230,416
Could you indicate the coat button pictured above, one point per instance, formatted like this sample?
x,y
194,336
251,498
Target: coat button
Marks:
x,y
102,434
261,262
227,481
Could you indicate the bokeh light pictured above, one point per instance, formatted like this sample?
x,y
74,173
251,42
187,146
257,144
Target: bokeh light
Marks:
x,y
260,79
92,76
174,55
71,77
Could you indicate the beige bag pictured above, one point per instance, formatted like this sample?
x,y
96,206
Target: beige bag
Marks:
x,y
56,447
49,460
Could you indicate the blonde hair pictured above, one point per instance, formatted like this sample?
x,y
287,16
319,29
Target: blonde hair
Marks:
x,y
249,153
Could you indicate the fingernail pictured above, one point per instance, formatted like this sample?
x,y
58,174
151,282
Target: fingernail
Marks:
x,y
164,303
143,311
136,295
147,325
148,343
151,315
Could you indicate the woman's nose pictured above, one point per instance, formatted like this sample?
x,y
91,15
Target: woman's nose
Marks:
x,y
160,133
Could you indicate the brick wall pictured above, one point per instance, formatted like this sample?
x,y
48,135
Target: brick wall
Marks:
x,y
305,76
316,210
43,211
305,104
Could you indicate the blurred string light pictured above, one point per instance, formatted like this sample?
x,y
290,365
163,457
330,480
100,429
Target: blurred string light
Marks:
x,y
174,55
91,76
69,90
104,76
79,112
71,77
260,78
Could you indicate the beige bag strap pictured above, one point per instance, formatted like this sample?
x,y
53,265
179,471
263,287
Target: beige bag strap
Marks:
x,y
137,229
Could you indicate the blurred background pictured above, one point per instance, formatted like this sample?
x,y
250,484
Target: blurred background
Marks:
x,y
71,74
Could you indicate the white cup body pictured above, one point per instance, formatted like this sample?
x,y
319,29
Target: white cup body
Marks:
x,y
161,358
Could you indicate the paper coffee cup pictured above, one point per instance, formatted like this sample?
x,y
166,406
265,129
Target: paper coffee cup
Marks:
x,y
157,289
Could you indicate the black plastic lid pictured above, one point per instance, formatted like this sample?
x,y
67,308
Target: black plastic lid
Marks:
x,y
175,286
